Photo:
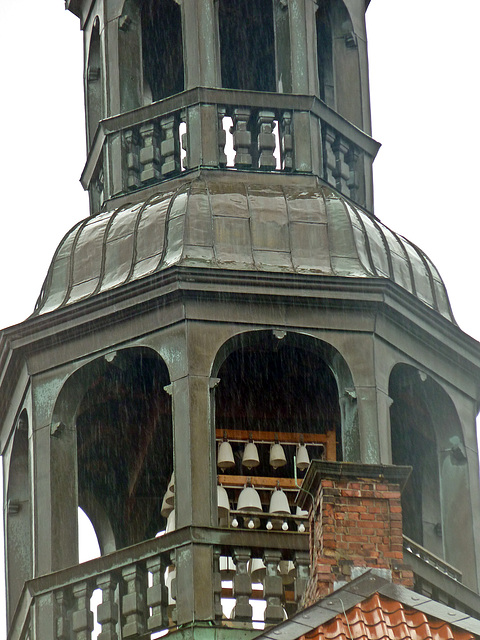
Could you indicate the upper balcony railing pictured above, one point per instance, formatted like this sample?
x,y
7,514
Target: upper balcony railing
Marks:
x,y
228,129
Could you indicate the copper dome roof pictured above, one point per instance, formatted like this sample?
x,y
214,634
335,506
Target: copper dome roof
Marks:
x,y
225,225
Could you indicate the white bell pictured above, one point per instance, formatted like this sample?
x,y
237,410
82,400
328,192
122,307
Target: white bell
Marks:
x,y
300,523
279,503
303,459
286,569
167,506
250,457
277,456
227,567
171,484
249,500
223,502
170,522
225,459
257,569
169,583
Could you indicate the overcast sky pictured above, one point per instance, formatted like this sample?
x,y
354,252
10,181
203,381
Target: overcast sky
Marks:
x,y
424,75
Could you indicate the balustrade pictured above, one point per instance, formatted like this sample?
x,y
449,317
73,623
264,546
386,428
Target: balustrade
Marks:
x,y
135,588
187,132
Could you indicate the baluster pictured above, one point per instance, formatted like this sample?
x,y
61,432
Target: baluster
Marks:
x,y
107,610
132,144
221,137
217,584
330,162
172,591
302,574
63,604
170,147
242,138
157,595
150,152
352,159
184,139
82,617
134,601
242,585
272,587
342,170
266,140
287,141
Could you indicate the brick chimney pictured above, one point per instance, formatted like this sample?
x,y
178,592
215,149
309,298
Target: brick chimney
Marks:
x,y
355,523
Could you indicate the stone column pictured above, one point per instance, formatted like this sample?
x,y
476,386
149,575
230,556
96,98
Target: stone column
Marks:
x,y
54,482
200,44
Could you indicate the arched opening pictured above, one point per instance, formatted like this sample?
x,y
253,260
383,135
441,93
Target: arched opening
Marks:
x,y
18,515
325,54
124,447
247,44
115,413
162,49
94,83
337,60
286,388
426,434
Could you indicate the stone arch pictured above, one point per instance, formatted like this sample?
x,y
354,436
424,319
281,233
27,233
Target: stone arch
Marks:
x,y
338,59
310,385
94,82
121,414
18,518
426,433
162,49
247,44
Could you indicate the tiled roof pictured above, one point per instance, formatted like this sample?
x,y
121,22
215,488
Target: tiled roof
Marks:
x,y
379,617
371,607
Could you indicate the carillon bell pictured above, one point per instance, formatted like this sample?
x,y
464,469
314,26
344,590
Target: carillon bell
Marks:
x,y
279,503
249,500
227,567
300,523
303,459
170,522
286,569
250,457
171,484
257,569
167,505
170,580
225,459
277,456
223,502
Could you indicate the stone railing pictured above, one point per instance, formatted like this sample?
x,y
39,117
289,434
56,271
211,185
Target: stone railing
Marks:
x,y
438,579
134,592
228,129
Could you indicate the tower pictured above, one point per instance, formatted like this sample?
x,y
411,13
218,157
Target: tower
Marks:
x,y
215,294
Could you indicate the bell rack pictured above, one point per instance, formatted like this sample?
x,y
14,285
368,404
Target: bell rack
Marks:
x,y
328,439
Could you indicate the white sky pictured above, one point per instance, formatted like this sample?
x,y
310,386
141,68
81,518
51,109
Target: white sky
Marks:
x,y
425,104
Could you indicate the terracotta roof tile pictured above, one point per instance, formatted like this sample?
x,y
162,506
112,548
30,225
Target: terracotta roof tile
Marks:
x,y
379,618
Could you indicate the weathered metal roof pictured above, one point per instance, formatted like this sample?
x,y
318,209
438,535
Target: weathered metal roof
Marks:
x,y
232,225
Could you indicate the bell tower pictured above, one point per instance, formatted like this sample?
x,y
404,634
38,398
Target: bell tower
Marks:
x,y
230,309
